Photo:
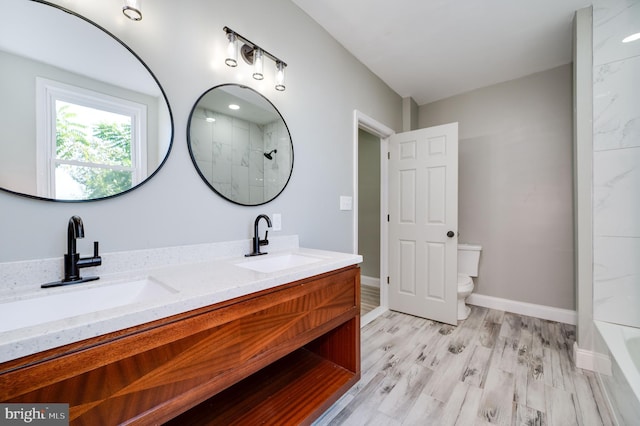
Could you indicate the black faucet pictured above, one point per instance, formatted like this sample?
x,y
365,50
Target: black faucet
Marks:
x,y
257,242
72,260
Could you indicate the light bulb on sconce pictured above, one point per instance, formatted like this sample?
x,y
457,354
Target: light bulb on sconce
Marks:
x,y
132,9
257,64
253,55
232,50
280,76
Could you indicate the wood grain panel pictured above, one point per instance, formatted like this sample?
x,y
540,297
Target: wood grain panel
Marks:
x,y
278,394
154,374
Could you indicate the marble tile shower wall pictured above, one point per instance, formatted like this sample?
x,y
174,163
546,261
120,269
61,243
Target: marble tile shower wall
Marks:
x,y
230,152
276,171
616,161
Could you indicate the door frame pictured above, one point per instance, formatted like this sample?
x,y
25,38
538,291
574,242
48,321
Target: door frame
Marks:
x,y
374,127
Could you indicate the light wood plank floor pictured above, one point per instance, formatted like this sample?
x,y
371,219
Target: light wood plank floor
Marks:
x,y
369,298
494,368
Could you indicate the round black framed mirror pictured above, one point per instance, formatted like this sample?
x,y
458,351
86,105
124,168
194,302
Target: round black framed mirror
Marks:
x,y
82,117
240,144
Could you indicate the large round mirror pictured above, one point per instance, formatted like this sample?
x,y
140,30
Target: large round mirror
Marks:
x,y
240,144
81,116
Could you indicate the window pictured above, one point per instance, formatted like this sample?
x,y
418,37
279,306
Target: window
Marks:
x,y
90,145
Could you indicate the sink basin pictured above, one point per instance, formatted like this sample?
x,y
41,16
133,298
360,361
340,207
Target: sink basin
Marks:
x,y
275,263
22,313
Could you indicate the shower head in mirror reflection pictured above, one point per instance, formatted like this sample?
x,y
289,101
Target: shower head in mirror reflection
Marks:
x,y
269,154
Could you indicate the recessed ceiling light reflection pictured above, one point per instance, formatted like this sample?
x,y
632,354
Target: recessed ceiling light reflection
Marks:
x,y
632,37
234,106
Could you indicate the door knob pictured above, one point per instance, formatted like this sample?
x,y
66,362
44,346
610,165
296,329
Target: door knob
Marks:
x,y
450,234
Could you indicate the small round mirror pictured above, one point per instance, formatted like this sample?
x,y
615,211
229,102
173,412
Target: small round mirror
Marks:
x,y
240,144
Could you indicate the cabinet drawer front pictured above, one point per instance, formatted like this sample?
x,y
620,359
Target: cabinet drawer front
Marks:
x,y
173,367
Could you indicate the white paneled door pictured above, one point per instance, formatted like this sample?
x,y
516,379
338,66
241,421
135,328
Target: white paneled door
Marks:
x,y
423,222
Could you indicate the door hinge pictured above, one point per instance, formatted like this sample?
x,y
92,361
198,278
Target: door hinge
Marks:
x,y
388,218
388,155
387,279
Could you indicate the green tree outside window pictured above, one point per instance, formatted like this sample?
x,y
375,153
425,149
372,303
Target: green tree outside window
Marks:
x,y
97,156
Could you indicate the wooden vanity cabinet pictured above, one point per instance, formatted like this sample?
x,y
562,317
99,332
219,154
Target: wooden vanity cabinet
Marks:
x,y
279,356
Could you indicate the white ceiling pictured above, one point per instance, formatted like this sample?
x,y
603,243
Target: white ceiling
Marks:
x,y
433,49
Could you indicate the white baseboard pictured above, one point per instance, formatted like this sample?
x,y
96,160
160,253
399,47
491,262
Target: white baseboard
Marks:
x,y
592,361
371,315
370,281
539,311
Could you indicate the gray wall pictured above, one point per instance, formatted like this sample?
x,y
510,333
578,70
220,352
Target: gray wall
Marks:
x,y
409,114
184,46
515,184
369,203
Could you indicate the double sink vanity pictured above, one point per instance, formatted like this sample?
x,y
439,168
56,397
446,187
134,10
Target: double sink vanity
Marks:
x,y
185,335
219,340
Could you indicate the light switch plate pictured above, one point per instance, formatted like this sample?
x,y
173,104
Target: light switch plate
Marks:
x,y
346,203
276,221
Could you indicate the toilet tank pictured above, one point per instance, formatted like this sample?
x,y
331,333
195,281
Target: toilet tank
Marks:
x,y
468,259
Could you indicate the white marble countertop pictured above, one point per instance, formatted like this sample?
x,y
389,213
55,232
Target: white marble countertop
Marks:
x,y
191,285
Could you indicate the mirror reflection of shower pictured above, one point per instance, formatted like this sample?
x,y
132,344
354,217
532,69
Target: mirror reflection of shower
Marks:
x,y
245,155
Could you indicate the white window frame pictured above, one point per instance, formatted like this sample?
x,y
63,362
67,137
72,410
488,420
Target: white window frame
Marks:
x,y
50,91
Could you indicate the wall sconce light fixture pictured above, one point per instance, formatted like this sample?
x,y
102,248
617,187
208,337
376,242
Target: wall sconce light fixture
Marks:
x,y
252,55
132,9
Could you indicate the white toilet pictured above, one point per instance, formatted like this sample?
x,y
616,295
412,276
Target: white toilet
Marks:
x,y
468,261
